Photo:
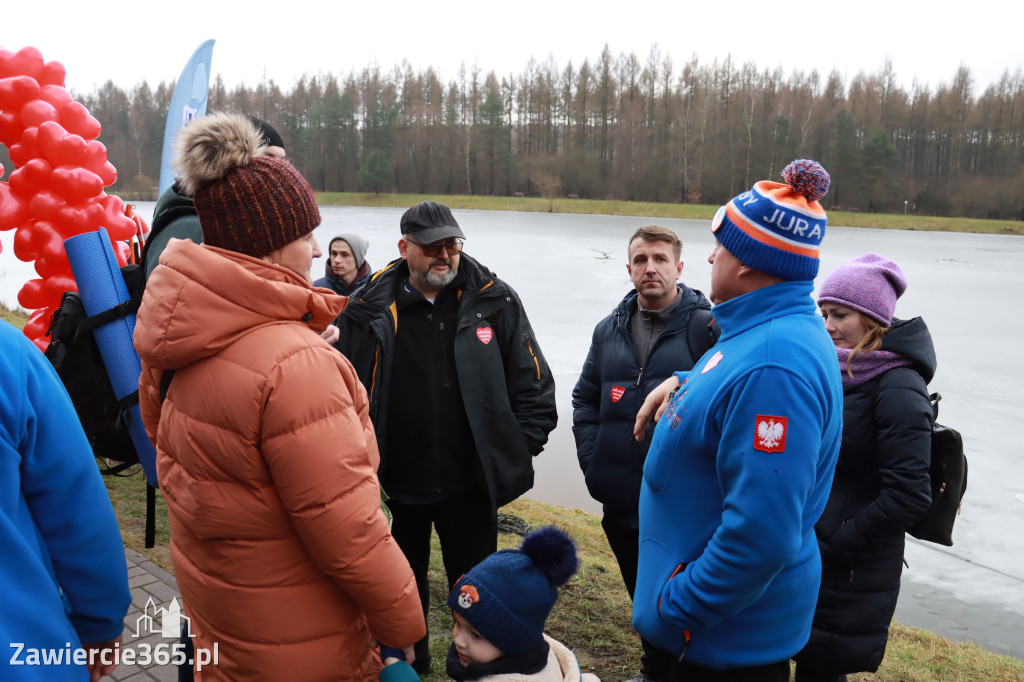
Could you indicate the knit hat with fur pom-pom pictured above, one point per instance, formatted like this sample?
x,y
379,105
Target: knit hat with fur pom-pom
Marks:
x,y
777,227
507,597
247,202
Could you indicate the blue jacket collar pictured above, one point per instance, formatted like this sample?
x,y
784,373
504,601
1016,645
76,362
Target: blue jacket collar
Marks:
x,y
739,314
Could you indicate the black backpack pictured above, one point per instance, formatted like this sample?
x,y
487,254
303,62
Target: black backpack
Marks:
x,y
75,355
702,332
73,352
949,482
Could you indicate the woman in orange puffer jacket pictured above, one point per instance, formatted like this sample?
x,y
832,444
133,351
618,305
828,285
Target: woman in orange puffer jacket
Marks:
x,y
265,453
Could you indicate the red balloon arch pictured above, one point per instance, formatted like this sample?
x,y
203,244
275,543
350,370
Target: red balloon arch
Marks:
x,y
56,188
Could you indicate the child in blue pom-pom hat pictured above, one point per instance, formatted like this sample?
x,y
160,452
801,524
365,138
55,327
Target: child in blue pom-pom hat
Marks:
x,y
500,608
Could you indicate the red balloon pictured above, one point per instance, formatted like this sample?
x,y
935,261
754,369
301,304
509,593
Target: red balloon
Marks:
x,y
32,295
58,265
27,147
45,203
45,293
38,111
27,61
56,188
60,147
31,178
25,248
108,174
13,211
38,323
118,225
121,253
10,128
43,232
72,220
95,159
17,90
48,242
53,73
76,184
77,119
56,286
55,95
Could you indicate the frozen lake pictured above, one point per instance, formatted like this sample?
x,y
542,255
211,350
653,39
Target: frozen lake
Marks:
x,y
570,272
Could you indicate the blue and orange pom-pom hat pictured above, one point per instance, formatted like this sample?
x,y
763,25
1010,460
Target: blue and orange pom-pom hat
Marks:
x,y
777,227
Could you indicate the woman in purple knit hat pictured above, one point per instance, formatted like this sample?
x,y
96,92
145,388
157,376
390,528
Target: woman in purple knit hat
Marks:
x,y
881,485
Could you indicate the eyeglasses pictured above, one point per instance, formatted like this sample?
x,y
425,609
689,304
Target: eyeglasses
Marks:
x,y
453,247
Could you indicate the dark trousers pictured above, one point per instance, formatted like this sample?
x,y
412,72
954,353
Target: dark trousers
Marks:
x,y
691,672
466,525
625,544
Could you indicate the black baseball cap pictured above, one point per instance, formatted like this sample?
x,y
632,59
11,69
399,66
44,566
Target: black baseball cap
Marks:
x,y
429,221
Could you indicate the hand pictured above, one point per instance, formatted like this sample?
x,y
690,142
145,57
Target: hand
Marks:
x,y
97,668
331,334
654,404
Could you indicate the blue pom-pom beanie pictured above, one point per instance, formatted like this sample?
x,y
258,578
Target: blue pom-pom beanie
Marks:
x,y
776,227
507,597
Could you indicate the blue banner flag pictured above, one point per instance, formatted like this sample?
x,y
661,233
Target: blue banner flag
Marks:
x,y
188,101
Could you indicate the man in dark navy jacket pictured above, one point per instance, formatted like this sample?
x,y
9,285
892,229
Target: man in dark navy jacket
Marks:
x,y
660,327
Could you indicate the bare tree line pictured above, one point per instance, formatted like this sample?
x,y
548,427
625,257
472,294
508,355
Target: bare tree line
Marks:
x,y
620,128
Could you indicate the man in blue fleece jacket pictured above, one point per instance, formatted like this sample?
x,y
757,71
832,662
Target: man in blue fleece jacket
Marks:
x,y
62,565
742,458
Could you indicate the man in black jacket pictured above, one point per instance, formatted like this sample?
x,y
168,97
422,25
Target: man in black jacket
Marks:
x,y
461,397
659,328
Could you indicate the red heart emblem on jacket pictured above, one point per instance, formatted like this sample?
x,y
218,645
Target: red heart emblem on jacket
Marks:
x,y
485,334
617,392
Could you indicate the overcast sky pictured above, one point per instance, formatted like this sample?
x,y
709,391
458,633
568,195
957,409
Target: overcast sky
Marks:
x,y
139,40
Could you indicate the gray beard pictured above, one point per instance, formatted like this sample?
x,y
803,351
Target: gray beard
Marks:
x,y
433,280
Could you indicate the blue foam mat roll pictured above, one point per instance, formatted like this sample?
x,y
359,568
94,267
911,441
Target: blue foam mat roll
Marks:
x,y
102,287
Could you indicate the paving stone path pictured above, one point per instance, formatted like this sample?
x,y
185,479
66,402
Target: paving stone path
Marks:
x,y
155,598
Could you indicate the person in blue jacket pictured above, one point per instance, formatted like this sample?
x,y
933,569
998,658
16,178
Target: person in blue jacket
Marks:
x,y
742,458
62,562
660,326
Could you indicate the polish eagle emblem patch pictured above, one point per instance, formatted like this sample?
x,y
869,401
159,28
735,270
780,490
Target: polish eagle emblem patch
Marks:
x,y
770,433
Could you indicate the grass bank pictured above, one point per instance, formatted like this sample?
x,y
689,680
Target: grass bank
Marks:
x,y
655,210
